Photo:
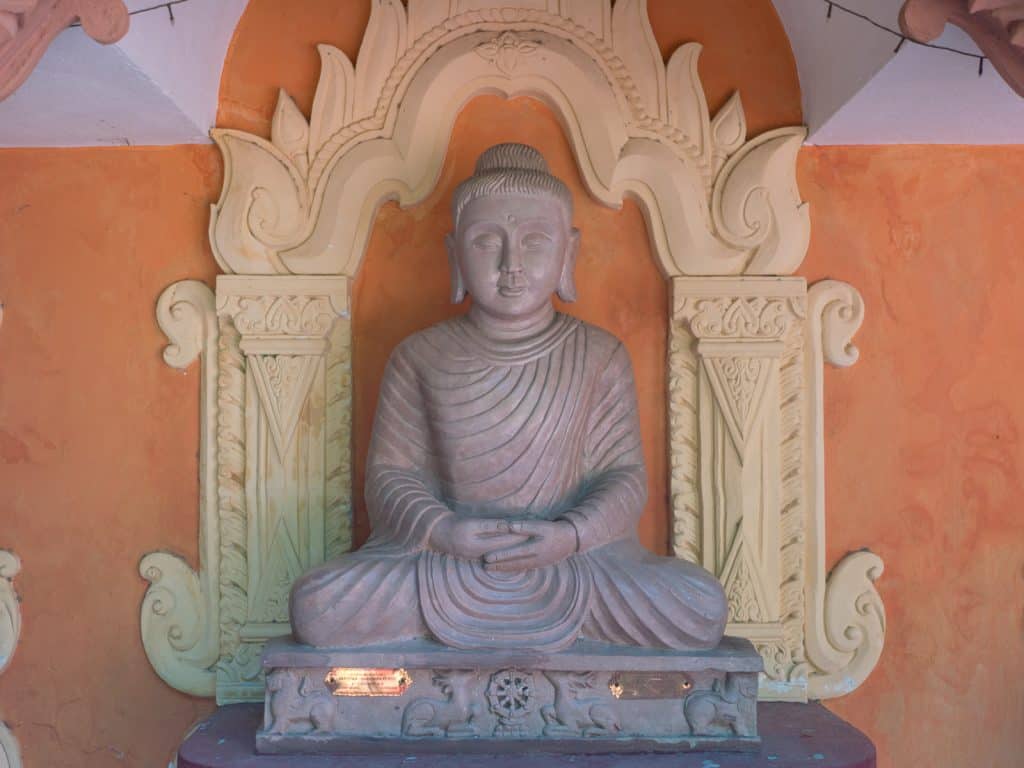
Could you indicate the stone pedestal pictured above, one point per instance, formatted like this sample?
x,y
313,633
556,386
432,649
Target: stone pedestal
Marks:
x,y
791,735
421,697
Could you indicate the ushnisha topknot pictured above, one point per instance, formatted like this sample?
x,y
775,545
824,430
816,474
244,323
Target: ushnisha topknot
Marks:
x,y
510,169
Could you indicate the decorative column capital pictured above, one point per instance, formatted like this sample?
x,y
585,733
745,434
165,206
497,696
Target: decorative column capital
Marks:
x,y
285,324
283,315
739,316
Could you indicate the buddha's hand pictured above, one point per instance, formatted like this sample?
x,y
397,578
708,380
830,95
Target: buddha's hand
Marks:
x,y
472,537
548,542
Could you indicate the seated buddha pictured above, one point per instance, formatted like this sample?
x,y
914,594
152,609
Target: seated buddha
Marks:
x,y
505,475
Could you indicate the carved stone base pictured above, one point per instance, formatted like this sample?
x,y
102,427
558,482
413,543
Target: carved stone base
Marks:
x,y
423,697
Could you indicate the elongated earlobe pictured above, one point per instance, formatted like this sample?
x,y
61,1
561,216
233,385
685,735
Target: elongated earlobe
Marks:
x,y
458,287
566,281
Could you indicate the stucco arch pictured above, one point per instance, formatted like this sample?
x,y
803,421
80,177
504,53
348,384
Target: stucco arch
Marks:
x,y
378,131
274,47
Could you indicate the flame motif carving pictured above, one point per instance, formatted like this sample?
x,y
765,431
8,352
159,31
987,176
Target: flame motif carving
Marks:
x,y
728,205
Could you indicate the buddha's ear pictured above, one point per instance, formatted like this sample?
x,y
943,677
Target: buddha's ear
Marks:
x,y
458,287
566,282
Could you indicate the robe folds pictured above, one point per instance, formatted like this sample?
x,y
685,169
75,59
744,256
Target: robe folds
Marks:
x,y
544,428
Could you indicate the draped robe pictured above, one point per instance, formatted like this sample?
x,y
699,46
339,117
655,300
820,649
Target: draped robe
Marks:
x,y
540,428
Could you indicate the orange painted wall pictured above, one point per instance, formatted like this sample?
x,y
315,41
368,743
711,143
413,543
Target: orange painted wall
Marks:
x,y
98,436
923,436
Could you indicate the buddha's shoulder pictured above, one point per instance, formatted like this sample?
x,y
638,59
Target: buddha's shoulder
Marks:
x,y
602,341
429,342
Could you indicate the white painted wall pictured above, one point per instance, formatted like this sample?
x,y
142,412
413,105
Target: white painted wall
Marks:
x,y
83,94
185,59
924,96
857,90
835,57
158,85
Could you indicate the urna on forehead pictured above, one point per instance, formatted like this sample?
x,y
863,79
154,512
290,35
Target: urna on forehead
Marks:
x,y
507,170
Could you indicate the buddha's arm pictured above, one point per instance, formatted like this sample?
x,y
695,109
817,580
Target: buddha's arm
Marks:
x,y
403,505
617,490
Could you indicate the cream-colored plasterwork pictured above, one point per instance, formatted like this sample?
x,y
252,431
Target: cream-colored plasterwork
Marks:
x,y
10,631
748,343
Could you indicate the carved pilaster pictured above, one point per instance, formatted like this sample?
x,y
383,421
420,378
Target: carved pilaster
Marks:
x,y
746,404
10,631
274,471
282,400
738,338
338,457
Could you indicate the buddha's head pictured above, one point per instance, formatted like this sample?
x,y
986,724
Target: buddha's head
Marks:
x,y
514,244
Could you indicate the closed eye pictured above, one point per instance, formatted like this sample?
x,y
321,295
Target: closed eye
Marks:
x,y
536,240
487,242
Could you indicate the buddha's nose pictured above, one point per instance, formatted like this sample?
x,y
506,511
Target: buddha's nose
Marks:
x,y
511,258
511,265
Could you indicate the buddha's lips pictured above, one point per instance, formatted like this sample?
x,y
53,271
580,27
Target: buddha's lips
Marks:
x,y
510,291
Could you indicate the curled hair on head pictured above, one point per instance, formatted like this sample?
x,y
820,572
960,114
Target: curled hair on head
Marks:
x,y
510,169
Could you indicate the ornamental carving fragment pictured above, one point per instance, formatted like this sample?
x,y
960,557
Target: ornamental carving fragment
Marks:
x,y
505,51
10,631
27,27
283,315
744,317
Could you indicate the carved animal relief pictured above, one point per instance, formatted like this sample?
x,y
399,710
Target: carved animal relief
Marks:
x,y
748,345
578,708
451,716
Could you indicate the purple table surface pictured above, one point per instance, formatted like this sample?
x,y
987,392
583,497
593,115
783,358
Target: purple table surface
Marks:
x,y
791,734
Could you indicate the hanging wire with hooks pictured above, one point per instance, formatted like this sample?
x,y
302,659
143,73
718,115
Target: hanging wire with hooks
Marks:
x,y
168,6
833,5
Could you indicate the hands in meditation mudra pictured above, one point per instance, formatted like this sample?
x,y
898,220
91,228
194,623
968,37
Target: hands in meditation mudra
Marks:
x,y
505,476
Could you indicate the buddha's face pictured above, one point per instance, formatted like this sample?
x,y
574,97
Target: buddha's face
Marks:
x,y
512,252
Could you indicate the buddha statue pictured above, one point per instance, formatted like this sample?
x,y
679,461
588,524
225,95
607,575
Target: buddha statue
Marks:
x,y
505,475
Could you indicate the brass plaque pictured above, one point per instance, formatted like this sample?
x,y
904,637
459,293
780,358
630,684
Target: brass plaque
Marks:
x,y
359,681
650,685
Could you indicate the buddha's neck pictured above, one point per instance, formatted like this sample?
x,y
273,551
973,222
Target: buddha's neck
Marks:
x,y
512,329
